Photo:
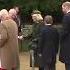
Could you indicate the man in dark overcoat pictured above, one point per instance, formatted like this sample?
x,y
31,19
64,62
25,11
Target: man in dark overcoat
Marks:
x,y
48,44
64,56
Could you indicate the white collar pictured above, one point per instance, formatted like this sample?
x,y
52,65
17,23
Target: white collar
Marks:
x,y
1,21
48,24
68,11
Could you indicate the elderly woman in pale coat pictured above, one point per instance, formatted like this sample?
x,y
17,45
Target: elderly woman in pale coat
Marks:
x,y
9,51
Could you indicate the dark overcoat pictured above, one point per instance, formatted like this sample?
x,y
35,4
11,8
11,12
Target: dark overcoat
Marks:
x,y
65,40
48,45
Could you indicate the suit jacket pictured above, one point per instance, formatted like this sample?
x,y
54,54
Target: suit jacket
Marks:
x,y
48,44
65,40
9,44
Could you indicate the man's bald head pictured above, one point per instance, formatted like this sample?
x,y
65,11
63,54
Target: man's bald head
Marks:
x,y
12,13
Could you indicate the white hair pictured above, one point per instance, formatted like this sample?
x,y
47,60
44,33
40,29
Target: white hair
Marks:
x,y
4,14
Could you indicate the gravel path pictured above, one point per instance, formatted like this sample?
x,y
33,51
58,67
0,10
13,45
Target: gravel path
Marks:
x,y
25,60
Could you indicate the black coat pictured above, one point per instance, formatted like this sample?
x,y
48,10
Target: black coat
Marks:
x,y
48,45
65,40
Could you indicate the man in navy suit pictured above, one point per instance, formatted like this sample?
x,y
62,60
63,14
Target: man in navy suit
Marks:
x,y
48,44
65,36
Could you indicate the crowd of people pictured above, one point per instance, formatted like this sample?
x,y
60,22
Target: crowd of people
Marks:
x,y
9,51
45,40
